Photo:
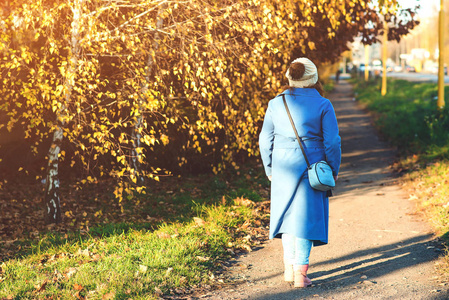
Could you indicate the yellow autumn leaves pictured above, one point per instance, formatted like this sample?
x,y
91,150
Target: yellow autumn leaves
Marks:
x,y
189,79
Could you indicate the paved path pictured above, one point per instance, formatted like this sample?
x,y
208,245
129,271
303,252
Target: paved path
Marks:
x,y
378,248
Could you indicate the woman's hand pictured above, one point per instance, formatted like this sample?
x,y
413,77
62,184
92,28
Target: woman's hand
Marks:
x,y
269,178
336,178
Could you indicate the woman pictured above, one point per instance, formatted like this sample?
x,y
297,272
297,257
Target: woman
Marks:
x,y
299,214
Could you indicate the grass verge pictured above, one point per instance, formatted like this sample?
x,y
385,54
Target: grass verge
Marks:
x,y
171,241
409,119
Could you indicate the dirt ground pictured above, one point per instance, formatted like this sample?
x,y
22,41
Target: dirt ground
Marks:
x,y
378,247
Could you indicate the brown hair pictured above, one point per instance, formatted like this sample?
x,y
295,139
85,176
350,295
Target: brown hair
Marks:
x,y
317,86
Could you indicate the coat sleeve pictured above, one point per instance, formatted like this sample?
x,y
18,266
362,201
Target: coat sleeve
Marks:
x,y
266,139
332,140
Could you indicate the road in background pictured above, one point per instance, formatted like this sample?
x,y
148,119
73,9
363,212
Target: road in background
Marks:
x,y
419,77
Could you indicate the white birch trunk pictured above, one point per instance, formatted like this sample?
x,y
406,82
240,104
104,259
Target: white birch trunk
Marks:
x,y
52,198
136,156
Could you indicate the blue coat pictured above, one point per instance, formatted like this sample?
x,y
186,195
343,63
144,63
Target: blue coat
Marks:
x,y
296,208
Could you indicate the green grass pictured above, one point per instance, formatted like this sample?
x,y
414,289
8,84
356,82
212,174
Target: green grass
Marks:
x,y
136,264
173,239
408,117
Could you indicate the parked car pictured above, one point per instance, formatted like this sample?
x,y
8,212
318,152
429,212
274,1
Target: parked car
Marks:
x,y
397,68
410,69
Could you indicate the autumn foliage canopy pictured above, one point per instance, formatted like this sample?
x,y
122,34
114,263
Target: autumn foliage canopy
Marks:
x,y
133,88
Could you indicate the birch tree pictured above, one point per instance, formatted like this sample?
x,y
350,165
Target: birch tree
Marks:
x,y
52,197
137,157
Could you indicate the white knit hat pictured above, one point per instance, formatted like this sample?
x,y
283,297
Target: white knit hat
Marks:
x,y
310,76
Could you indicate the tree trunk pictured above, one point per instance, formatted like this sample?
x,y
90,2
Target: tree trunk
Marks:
x,y
366,62
136,156
440,101
384,59
52,198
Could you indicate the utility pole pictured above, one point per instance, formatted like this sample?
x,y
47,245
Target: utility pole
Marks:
x,y
440,102
366,62
384,60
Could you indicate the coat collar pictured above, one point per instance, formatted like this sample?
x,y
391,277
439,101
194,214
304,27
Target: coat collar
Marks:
x,y
311,92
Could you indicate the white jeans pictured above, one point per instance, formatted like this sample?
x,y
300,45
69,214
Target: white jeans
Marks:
x,y
296,250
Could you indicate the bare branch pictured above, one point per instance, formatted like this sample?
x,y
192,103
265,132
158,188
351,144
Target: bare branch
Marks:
x,y
138,16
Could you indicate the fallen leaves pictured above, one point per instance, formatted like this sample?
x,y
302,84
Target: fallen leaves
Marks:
x,y
22,208
246,224
57,276
83,252
247,238
365,280
245,247
202,258
413,198
53,258
244,202
143,268
163,235
368,282
41,287
108,296
199,222
158,291
80,291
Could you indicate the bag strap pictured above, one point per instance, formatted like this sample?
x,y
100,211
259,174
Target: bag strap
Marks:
x,y
296,132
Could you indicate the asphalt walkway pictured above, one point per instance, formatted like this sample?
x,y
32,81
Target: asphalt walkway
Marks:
x,y
378,247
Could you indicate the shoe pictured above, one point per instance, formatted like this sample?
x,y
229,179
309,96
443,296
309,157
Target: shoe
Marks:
x,y
301,279
289,275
